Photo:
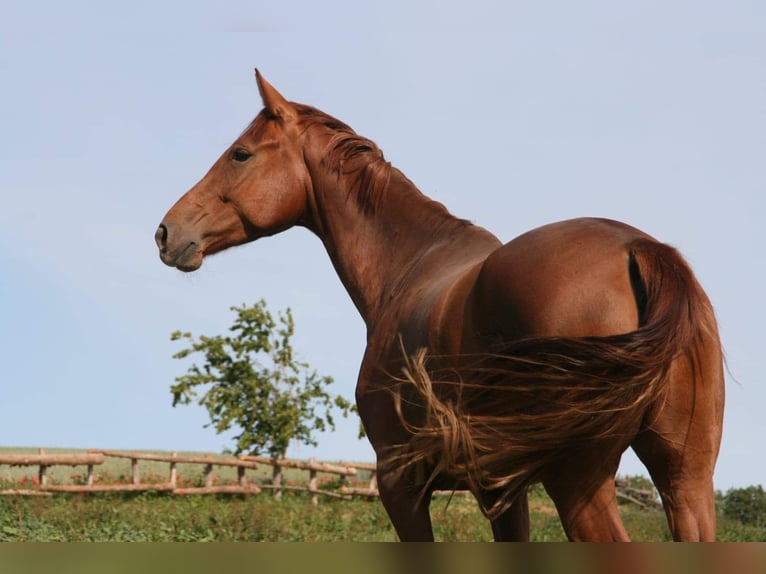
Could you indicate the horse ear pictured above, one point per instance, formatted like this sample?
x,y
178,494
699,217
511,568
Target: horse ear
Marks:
x,y
273,101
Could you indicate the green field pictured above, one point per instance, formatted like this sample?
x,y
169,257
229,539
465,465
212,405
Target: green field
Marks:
x,y
160,517
165,518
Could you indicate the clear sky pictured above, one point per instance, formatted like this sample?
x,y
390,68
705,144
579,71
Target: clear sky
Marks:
x,y
512,114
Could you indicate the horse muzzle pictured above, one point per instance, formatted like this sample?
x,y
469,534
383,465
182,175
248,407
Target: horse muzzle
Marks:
x,y
184,255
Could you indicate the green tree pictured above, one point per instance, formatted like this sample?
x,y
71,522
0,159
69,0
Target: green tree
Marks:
x,y
253,383
748,505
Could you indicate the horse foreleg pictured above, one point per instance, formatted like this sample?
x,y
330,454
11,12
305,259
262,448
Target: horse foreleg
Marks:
x,y
407,509
513,524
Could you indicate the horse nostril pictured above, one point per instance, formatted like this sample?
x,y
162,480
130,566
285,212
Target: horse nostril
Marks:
x,y
161,236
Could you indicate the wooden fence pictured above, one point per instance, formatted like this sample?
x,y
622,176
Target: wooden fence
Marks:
x,y
93,458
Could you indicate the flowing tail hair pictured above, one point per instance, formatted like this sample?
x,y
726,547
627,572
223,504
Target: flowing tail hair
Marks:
x,y
499,419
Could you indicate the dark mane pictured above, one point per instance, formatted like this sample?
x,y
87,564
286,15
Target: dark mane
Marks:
x,y
351,154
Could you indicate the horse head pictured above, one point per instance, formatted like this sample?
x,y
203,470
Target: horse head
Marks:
x,y
258,187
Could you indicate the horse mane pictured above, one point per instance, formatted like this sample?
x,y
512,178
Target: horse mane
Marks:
x,y
349,154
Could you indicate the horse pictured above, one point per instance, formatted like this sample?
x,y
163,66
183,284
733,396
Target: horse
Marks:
x,y
488,366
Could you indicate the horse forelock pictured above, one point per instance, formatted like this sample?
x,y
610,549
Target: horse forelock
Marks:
x,y
256,128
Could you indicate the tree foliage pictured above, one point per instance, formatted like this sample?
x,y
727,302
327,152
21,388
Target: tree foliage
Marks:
x,y
252,382
748,505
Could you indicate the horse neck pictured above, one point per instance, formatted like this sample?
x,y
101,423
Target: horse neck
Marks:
x,y
377,251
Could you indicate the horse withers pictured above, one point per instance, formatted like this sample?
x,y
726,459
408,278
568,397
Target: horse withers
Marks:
x,y
488,366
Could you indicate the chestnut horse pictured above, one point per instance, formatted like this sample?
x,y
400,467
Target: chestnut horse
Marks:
x,y
545,358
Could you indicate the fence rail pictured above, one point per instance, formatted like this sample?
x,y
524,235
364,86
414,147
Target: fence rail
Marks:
x,y
43,461
52,459
343,470
97,457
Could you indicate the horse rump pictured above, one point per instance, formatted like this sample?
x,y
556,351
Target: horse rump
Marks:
x,y
496,420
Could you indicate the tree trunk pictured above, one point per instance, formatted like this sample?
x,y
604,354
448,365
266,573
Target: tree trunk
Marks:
x,y
276,480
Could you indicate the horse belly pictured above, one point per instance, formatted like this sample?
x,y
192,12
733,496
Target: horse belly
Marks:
x,y
569,279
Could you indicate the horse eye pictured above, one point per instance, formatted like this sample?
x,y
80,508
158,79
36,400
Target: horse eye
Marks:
x,y
240,155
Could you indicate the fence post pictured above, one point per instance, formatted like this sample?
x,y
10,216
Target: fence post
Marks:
x,y
89,476
276,480
208,474
313,482
241,475
134,471
42,476
173,471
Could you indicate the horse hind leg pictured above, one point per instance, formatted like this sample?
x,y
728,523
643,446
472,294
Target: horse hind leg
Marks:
x,y
583,490
687,492
679,445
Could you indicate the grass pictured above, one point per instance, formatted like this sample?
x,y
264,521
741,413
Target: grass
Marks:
x,y
156,517
166,518
151,517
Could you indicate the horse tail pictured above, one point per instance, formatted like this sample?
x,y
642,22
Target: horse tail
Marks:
x,y
498,420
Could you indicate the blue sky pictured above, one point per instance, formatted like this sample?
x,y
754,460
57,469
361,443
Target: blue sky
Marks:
x,y
513,114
